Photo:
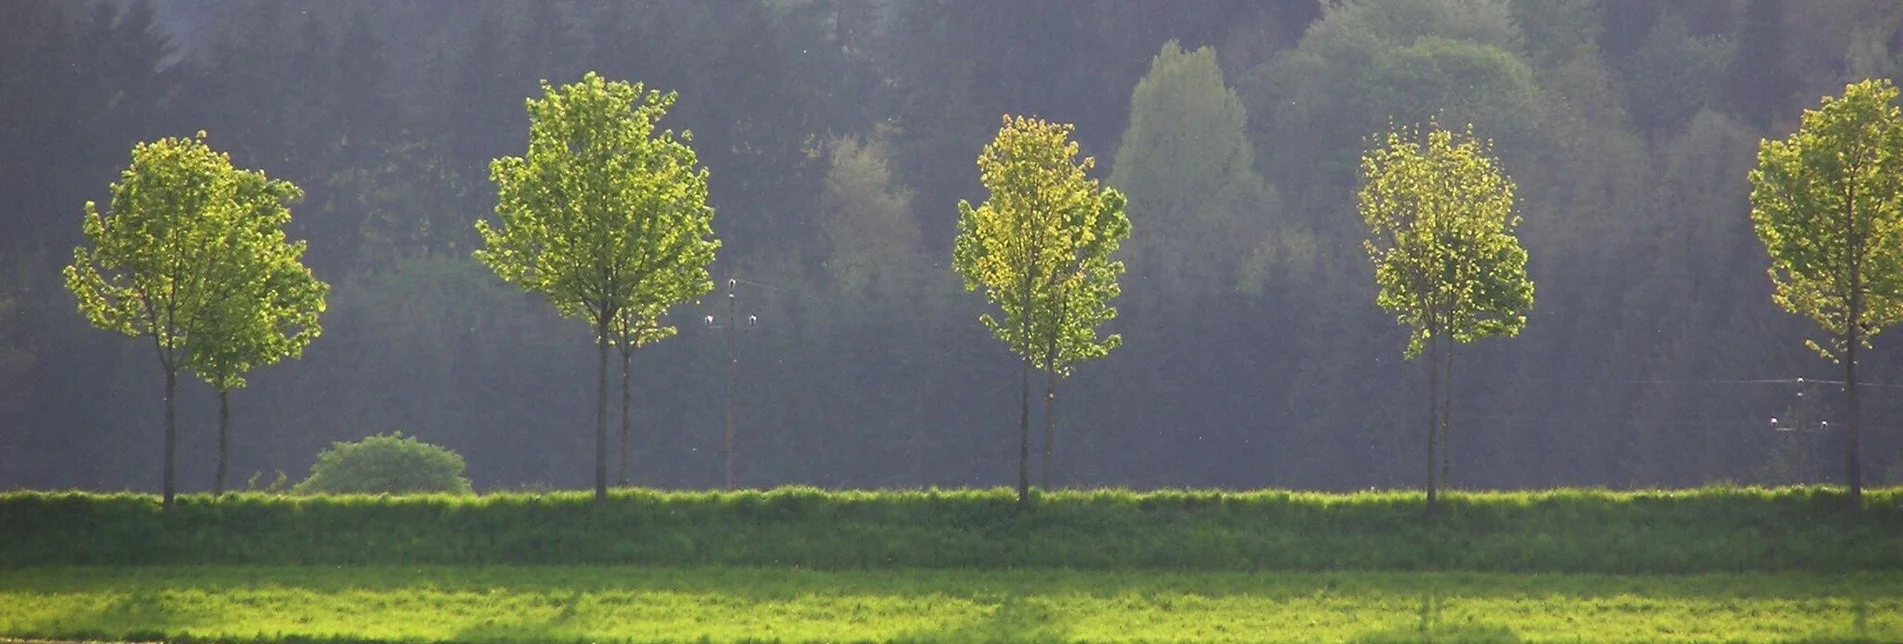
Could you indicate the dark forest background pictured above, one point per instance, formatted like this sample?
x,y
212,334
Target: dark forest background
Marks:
x,y
841,134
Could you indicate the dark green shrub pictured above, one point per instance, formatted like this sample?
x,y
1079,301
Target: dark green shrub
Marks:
x,y
385,463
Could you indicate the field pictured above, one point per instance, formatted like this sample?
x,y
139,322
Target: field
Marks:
x,y
804,565
626,604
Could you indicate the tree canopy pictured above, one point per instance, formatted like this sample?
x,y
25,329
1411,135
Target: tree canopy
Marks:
x,y
603,215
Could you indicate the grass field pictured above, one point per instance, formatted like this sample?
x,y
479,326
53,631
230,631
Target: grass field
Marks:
x,y
628,604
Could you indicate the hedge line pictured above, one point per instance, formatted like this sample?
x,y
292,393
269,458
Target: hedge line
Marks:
x,y
1708,530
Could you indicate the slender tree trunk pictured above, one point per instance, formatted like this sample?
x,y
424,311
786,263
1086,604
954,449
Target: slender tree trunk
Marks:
x,y
1050,419
1447,415
1024,389
601,410
1433,412
1024,433
626,355
171,435
1853,466
224,441
1853,470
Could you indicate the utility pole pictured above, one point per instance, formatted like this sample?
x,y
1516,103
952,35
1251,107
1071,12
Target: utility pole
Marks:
x,y
732,326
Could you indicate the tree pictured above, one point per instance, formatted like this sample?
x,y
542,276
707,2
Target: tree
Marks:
x,y
270,307
170,257
1825,203
603,215
1440,215
1187,165
1040,247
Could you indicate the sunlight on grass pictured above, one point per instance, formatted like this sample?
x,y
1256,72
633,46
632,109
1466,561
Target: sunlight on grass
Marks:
x,y
624,604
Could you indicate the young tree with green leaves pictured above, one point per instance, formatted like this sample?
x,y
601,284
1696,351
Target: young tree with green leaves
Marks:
x,y
1040,246
603,215
269,308
171,259
1825,201
1440,216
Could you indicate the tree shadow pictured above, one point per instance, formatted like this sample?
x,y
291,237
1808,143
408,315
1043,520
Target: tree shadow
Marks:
x,y
547,630
137,616
1017,619
1431,629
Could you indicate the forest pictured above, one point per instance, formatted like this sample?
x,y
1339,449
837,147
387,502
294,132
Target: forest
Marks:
x,y
840,137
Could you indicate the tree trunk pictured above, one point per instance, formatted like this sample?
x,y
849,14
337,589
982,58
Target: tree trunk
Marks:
x,y
1050,421
171,435
1853,466
1853,470
1447,415
601,410
224,441
626,355
1024,433
1433,413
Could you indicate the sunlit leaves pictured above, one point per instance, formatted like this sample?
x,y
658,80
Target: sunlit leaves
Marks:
x,y
603,213
1828,204
1440,216
1040,246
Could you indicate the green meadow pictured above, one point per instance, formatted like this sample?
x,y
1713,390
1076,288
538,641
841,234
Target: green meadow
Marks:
x,y
805,565
558,604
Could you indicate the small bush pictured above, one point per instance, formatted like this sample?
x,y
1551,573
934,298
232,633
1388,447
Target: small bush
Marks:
x,y
385,463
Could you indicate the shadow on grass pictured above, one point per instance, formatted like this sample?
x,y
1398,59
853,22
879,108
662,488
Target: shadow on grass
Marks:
x,y
136,616
550,629
1431,628
1018,619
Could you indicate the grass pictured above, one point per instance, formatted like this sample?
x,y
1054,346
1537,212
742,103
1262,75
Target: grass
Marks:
x,y
1711,530
559,605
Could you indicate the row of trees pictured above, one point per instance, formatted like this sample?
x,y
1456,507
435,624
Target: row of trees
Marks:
x,y
1250,355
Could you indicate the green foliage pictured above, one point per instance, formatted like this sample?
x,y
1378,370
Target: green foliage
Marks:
x,y
872,238
164,256
270,310
1650,532
638,605
1040,246
385,464
602,213
1189,170
1828,205
1440,216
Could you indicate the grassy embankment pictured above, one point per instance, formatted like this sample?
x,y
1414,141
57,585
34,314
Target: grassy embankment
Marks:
x,y
808,566
1713,530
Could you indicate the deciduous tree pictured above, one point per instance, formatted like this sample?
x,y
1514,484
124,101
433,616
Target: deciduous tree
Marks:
x,y
268,309
1440,216
171,257
603,215
1040,246
1825,201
